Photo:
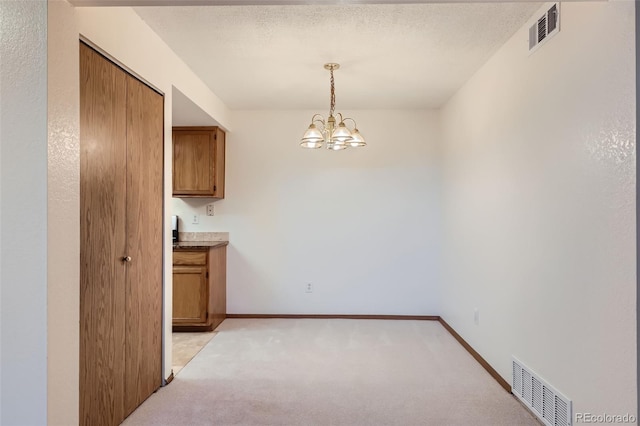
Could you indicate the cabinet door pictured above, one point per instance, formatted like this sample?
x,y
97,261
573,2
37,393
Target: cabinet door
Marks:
x,y
198,162
193,163
190,294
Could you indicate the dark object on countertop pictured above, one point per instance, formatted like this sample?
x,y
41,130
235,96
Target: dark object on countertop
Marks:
x,y
174,227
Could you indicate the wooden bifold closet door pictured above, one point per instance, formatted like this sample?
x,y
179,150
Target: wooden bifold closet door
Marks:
x,y
121,180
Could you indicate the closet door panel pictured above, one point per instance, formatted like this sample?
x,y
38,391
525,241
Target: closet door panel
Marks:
x,y
102,240
145,121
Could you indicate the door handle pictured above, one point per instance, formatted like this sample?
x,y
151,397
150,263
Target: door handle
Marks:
x,y
126,259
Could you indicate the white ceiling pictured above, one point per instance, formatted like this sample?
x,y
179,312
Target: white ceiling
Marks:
x,y
391,55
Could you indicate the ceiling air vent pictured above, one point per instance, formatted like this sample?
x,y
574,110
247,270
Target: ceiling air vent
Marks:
x,y
544,27
553,408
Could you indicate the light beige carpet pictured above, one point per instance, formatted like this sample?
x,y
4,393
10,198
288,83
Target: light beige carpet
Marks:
x,y
332,372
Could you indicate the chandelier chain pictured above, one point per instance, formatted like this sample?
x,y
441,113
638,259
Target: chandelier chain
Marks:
x,y
333,95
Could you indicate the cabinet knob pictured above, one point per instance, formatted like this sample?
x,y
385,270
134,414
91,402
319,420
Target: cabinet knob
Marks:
x,y
127,259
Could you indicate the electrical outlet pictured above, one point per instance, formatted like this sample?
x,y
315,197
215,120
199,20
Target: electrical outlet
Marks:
x,y
476,316
308,288
196,219
210,209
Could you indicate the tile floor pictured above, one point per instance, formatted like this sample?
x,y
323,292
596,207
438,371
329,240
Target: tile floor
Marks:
x,y
186,346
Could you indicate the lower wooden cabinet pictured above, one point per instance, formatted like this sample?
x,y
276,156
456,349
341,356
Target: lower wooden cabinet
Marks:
x,y
190,291
199,288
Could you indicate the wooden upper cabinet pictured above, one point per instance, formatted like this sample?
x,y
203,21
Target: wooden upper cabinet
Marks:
x,y
198,162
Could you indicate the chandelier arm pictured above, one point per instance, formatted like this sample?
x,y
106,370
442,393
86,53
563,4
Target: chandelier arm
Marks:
x,y
321,119
355,126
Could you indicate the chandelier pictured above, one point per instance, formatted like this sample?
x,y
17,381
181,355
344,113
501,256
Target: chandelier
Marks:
x,y
333,137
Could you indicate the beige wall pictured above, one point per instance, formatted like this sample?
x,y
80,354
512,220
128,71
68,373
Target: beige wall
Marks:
x,y
539,208
63,249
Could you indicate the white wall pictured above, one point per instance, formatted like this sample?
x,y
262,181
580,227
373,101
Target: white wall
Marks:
x,y
539,208
23,212
125,37
361,225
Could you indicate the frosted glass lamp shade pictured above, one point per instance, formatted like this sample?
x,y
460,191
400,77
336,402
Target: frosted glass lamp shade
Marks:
x,y
312,138
339,146
341,134
334,145
356,139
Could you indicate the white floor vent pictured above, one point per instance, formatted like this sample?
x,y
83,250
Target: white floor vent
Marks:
x,y
553,408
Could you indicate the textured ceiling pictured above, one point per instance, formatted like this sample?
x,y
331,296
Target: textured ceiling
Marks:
x,y
391,56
